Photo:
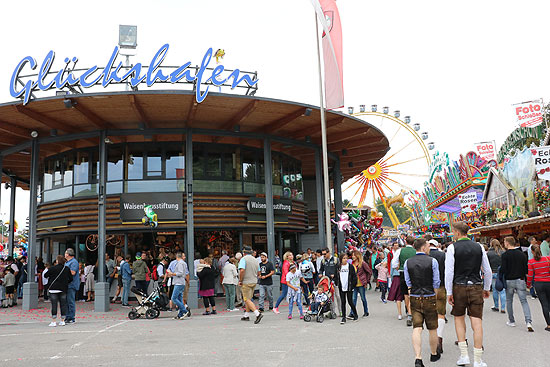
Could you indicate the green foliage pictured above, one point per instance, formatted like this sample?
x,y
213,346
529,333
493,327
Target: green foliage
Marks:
x,y
402,213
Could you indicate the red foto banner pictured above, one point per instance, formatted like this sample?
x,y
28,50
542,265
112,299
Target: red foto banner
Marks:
x,y
487,150
528,114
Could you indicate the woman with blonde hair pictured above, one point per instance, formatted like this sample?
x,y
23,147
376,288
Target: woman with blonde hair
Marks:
x,y
494,254
288,259
364,273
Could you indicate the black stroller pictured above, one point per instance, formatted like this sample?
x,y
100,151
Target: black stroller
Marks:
x,y
151,305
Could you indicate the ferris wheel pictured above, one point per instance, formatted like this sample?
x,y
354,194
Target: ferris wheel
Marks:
x,y
404,168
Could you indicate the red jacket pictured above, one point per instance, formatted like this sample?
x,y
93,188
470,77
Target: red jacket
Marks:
x,y
364,273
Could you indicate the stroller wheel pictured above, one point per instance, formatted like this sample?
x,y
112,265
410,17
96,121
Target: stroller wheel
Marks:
x,y
320,318
152,313
307,317
132,315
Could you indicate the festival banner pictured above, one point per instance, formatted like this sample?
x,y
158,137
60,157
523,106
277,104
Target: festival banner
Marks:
x,y
486,150
529,114
329,18
468,202
541,156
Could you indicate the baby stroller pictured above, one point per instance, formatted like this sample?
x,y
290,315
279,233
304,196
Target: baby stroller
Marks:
x,y
151,305
326,309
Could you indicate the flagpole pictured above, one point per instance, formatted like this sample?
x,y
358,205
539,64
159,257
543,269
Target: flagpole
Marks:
x,y
328,226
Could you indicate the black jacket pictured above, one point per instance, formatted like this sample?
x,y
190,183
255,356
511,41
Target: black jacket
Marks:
x,y
352,277
329,267
59,277
206,277
514,264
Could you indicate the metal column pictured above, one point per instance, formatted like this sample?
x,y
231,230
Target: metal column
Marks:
x,y
77,248
320,200
101,303
48,245
11,240
269,215
30,288
338,206
240,241
125,245
193,297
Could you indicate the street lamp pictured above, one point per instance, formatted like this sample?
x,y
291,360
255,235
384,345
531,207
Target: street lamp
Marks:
x,y
361,108
373,108
350,110
127,36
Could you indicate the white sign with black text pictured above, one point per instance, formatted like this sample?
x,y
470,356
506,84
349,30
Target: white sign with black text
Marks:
x,y
468,202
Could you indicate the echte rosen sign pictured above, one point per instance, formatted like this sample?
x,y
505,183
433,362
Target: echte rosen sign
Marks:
x,y
528,114
541,156
468,202
114,72
487,150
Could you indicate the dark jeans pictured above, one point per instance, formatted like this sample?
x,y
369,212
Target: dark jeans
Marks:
x,y
284,292
60,298
307,289
543,292
383,289
143,285
349,297
209,301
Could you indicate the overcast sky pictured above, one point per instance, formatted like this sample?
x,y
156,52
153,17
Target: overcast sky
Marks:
x,y
455,67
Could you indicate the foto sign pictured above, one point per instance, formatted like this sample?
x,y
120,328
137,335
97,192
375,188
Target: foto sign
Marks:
x,y
487,150
528,114
468,202
541,156
115,72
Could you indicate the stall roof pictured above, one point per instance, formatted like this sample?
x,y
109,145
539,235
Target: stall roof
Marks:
x,y
539,223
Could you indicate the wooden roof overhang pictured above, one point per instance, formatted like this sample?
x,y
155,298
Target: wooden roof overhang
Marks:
x,y
159,115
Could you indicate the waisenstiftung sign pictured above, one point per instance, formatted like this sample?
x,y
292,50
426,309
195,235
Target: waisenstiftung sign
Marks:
x,y
258,206
168,206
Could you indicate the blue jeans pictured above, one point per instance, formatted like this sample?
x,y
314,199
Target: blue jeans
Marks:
x,y
126,290
361,291
298,303
497,294
71,303
307,289
177,298
519,286
284,292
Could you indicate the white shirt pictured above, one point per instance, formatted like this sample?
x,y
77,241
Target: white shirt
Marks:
x,y
487,273
395,259
44,279
344,277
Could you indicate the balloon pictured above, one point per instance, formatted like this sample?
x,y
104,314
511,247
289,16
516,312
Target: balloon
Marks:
x,y
1,248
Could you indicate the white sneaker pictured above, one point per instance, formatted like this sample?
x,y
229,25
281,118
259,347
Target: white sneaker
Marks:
x,y
463,361
61,323
235,309
52,324
399,317
480,364
530,327
511,324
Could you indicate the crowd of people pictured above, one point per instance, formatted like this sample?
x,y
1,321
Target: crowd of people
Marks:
x,y
422,273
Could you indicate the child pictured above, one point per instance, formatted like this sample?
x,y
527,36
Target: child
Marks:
x,y
383,278
294,292
319,299
10,286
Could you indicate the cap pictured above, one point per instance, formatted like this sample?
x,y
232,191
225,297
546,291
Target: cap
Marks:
x,y
292,266
263,254
433,242
298,257
247,249
138,255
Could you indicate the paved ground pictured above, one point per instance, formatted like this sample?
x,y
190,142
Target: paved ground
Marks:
x,y
223,340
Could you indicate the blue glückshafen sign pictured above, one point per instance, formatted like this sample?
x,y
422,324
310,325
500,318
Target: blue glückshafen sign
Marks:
x,y
114,72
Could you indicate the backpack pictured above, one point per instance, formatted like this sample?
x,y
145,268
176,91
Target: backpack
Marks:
x,y
215,268
154,273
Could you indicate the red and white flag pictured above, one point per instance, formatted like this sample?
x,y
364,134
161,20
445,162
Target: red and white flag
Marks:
x,y
328,15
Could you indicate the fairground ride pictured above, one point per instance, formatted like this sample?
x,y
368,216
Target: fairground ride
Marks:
x,y
401,170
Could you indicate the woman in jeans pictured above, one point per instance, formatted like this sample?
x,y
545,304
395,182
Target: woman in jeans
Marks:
x,y
494,254
346,280
59,277
539,270
364,273
288,259
230,281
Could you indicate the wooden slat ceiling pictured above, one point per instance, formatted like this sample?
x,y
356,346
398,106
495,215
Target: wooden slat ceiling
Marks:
x,y
362,143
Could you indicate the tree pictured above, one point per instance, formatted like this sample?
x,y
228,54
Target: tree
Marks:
x,y
402,213
346,203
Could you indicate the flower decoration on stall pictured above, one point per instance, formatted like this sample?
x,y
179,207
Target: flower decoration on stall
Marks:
x,y
150,218
485,214
542,196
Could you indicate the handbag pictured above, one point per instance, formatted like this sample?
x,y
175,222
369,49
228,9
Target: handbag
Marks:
x,y
499,282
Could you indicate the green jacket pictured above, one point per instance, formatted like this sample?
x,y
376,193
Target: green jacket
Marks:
x,y
139,268
405,254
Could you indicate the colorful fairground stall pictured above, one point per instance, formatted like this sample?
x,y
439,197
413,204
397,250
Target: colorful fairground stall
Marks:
x,y
515,201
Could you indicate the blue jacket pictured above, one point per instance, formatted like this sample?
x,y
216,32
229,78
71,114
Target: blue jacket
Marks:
x,y
126,271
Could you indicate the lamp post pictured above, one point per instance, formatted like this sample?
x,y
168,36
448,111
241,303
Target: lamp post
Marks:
x,y
127,41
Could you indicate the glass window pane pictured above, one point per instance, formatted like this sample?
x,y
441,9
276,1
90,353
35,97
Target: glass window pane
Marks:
x,y
214,165
198,162
154,163
276,168
135,162
249,165
115,163
68,174
230,166
57,174
175,161
81,167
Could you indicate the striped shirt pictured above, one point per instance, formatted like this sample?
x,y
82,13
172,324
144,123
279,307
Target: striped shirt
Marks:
x,y
539,269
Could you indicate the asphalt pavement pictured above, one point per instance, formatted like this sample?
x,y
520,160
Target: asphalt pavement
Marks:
x,y
110,339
